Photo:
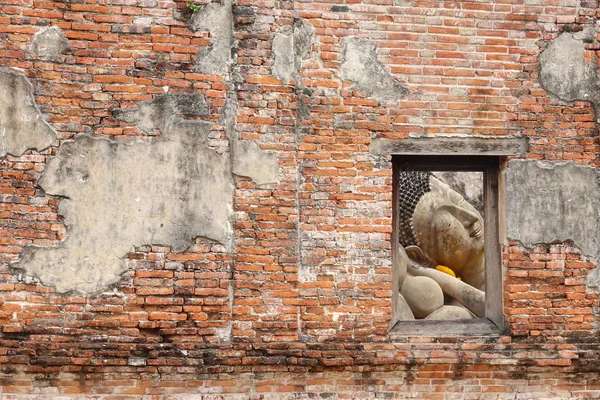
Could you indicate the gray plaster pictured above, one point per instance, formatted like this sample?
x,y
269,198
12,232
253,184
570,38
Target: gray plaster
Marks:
x,y
564,71
291,45
304,33
217,19
21,124
155,115
284,66
251,161
228,117
554,202
167,191
360,65
49,44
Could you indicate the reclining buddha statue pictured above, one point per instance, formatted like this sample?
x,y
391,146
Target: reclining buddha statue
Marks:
x,y
441,253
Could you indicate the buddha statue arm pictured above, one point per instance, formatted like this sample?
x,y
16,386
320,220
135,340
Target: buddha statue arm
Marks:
x,y
472,298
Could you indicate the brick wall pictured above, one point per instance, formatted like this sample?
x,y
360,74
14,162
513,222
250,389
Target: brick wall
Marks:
x,y
301,301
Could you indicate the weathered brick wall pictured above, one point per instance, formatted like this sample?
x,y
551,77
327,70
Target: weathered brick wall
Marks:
x,y
298,298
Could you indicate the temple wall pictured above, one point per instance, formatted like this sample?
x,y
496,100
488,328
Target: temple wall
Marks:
x,y
193,200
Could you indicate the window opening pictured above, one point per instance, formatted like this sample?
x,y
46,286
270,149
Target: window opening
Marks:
x,y
445,240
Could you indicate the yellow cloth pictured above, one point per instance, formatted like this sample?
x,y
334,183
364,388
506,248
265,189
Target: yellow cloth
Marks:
x,y
446,270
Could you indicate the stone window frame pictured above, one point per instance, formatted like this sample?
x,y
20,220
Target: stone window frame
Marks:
x,y
486,155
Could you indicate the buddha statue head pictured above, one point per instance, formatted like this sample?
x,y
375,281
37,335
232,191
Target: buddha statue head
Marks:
x,y
437,219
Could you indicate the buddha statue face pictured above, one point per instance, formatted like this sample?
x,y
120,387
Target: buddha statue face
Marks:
x,y
447,228
450,230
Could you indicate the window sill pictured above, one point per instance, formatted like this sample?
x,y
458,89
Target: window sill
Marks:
x,y
467,327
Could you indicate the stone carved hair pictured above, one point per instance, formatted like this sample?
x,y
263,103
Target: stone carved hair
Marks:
x,y
412,185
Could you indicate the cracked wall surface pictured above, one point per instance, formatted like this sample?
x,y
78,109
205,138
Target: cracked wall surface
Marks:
x,y
554,202
22,126
307,283
290,46
360,65
167,191
251,161
217,19
283,55
155,116
564,71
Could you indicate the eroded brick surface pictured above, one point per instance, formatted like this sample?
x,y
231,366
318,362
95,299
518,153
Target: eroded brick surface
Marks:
x,y
301,301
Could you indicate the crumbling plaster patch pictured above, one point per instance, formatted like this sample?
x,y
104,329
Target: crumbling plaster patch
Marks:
x,y
284,66
564,71
22,126
168,191
291,45
154,116
360,65
304,33
217,19
251,161
49,43
549,202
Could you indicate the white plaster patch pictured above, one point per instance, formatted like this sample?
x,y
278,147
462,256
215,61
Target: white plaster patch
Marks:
x,y
166,191
22,126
